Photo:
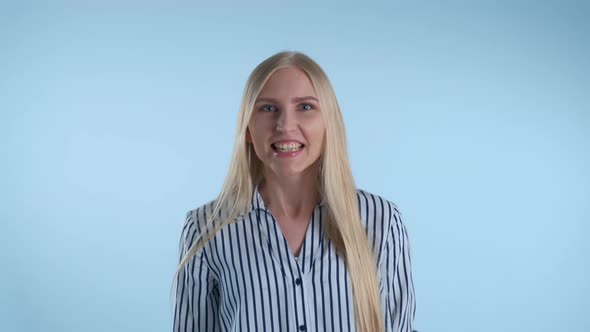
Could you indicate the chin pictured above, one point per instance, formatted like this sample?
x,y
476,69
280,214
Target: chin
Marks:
x,y
290,171
287,172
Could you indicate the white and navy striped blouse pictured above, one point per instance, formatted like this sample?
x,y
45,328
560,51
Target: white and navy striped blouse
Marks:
x,y
247,279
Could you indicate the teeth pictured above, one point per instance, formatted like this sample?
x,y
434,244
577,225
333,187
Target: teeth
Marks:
x,y
288,147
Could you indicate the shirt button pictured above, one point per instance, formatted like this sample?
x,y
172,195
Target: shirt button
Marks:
x,y
301,327
298,282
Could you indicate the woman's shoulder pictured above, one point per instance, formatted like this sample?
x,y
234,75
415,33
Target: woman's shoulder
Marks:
x,y
373,201
195,221
383,221
377,211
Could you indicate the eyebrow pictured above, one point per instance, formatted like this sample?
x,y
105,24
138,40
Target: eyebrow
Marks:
x,y
293,100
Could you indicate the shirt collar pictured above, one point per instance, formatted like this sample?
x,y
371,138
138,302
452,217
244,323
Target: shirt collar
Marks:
x,y
257,202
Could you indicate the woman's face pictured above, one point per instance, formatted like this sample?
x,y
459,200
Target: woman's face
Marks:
x,y
286,126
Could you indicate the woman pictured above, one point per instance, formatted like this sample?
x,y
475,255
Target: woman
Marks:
x,y
291,244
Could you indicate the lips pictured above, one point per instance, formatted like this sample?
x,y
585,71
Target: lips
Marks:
x,y
287,141
287,145
291,147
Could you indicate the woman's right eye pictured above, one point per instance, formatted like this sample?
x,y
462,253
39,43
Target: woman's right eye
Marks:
x,y
268,108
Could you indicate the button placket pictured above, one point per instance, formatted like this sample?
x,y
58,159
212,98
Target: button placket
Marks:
x,y
300,299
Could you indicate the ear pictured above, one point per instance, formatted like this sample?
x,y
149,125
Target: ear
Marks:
x,y
248,136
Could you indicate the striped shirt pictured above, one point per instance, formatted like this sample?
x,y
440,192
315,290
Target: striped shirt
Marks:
x,y
246,277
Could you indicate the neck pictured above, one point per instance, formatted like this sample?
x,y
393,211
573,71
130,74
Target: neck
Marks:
x,y
290,196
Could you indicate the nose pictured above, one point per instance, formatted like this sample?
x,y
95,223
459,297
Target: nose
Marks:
x,y
286,120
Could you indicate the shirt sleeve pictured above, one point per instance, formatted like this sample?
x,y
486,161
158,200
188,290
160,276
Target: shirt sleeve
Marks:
x,y
397,269
197,294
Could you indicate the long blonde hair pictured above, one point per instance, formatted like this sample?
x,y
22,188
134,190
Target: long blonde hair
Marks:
x,y
335,182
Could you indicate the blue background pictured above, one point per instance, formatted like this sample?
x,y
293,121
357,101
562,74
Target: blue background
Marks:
x,y
473,116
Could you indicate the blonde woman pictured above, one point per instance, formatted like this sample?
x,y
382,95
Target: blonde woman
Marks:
x,y
291,244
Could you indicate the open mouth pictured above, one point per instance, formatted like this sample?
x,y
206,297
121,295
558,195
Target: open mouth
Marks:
x,y
291,147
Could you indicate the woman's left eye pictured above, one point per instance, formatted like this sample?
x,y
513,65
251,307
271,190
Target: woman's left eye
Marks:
x,y
307,107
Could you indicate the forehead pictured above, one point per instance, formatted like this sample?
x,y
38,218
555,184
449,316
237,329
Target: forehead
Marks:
x,y
288,82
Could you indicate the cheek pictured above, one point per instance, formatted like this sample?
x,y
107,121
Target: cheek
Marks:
x,y
253,129
260,125
317,130
258,136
